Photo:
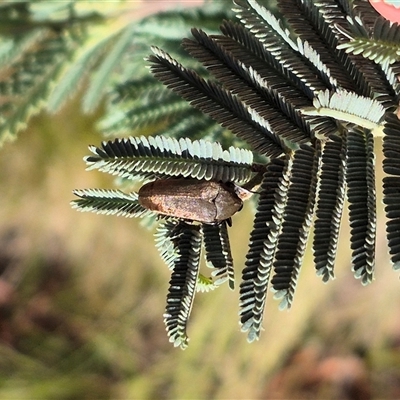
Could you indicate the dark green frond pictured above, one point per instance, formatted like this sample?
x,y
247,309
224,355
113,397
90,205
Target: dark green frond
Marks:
x,y
218,253
311,21
182,289
266,59
316,22
27,78
142,104
249,82
391,186
84,61
370,77
282,51
172,25
200,127
317,65
379,51
145,104
218,103
98,82
329,208
381,46
156,157
360,179
314,26
141,116
256,274
325,27
282,86
147,90
392,72
166,241
110,202
295,221
262,22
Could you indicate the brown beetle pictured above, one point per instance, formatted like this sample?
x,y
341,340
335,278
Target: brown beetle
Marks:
x,y
209,202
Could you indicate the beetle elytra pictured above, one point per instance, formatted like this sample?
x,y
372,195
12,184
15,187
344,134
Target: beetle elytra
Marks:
x,y
191,199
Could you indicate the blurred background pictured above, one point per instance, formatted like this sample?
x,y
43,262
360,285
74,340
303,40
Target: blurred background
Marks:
x,y
82,298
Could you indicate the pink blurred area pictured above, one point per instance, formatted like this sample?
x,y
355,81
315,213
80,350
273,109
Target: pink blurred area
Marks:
x,y
388,9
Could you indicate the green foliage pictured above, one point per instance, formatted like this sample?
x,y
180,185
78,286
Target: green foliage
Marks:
x,y
49,50
302,107
179,246
186,240
109,202
38,42
218,253
379,43
100,336
160,157
28,74
390,185
139,103
301,94
350,107
329,207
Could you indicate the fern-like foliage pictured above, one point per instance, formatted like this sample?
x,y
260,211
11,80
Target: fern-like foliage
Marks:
x,y
179,245
109,202
263,75
186,241
391,148
218,252
379,42
140,104
160,157
259,259
349,107
49,50
35,47
307,106
179,241
332,185
28,74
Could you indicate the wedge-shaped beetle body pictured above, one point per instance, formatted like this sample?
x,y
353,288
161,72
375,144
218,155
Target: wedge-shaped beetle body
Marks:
x,y
208,202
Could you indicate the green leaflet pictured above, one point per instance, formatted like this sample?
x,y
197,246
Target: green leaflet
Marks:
x,y
48,49
36,68
218,253
329,207
349,107
379,43
155,157
74,73
109,202
98,83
